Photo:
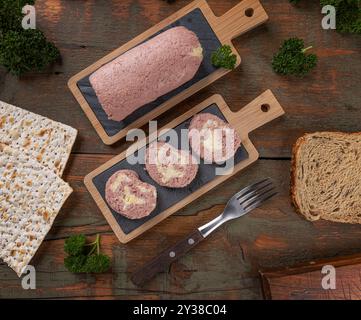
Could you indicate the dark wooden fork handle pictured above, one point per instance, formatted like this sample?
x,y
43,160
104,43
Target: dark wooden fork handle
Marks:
x,y
166,258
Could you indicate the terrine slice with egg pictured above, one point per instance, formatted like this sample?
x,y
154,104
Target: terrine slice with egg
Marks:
x,y
129,196
170,167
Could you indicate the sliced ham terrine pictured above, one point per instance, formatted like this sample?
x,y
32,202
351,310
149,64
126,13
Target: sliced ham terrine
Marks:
x,y
170,167
146,72
212,139
129,196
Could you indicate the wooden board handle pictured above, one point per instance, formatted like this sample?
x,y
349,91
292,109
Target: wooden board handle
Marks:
x,y
166,258
241,18
257,113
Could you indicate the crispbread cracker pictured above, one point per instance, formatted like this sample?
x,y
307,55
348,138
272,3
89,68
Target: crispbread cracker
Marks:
x,y
31,196
47,141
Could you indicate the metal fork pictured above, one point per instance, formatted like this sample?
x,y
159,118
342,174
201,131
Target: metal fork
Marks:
x,y
240,204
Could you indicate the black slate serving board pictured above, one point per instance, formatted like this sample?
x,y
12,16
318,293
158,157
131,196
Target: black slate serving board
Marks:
x,y
167,197
194,21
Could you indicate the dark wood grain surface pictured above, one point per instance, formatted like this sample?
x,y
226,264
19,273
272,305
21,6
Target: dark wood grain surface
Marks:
x,y
226,265
307,281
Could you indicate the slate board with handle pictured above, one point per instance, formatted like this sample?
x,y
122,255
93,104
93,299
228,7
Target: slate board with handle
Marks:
x,y
257,113
212,32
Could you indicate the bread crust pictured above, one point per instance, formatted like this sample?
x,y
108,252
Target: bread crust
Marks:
x,y
294,158
301,140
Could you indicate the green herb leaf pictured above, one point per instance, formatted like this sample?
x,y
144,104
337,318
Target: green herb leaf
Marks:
x,y
96,263
75,263
74,245
224,58
22,50
292,58
26,50
85,257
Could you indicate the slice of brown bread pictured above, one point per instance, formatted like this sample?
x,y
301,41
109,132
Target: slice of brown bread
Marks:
x,y
326,176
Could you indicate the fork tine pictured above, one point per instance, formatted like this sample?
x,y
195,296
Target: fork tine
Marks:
x,y
249,188
260,200
256,194
249,195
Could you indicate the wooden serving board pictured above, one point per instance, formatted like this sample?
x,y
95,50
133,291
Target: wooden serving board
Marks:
x,y
212,32
257,113
304,282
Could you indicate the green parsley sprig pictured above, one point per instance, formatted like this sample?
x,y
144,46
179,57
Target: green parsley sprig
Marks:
x,y
223,57
22,50
85,257
26,50
293,59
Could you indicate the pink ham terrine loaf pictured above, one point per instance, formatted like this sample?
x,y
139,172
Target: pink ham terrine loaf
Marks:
x,y
170,167
146,72
129,196
212,139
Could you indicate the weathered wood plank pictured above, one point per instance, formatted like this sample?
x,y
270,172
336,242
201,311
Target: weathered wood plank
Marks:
x,y
327,99
224,266
306,281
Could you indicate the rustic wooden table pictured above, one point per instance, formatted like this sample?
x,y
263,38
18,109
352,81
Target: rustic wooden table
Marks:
x,y
226,265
